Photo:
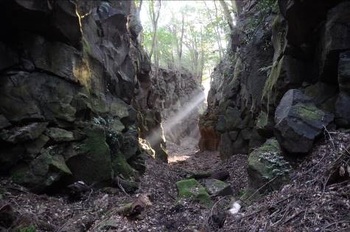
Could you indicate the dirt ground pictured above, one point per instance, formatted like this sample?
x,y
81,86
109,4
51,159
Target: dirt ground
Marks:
x,y
315,200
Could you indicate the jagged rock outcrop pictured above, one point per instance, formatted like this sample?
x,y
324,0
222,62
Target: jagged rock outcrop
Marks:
x,y
280,49
68,71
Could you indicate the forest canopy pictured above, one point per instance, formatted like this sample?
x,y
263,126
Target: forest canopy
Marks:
x,y
186,34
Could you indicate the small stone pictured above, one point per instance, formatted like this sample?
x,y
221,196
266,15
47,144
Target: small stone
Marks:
x,y
217,187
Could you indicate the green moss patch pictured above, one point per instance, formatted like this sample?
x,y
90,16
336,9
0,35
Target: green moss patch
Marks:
x,y
266,165
192,189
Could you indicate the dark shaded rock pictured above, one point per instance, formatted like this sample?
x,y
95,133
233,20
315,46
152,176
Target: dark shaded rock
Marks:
x,y
4,122
336,38
92,161
323,95
42,172
8,57
228,147
344,72
217,187
125,185
36,96
220,175
77,190
54,57
59,135
231,120
22,134
264,125
299,122
225,146
296,12
342,110
34,147
267,166
9,156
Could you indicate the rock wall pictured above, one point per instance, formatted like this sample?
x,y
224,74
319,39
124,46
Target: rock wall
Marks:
x,y
68,72
285,78
180,99
172,100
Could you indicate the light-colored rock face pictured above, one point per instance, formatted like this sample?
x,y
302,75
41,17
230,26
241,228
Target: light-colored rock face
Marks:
x,y
68,76
180,99
170,101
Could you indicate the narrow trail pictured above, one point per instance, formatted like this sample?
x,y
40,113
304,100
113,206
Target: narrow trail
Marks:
x,y
97,210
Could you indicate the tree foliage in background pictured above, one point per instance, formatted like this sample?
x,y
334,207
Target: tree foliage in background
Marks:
x,y
187,34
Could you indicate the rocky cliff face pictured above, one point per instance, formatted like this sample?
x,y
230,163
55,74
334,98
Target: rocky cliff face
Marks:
x,y
279,51
180,99
170,101
285,76
68,71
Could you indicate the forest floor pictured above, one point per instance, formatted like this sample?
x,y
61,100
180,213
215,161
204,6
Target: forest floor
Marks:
x,y
315,200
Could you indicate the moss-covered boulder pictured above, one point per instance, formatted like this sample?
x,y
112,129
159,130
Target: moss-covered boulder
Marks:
x,y
192,189
299,122
42,172
267,168
92,161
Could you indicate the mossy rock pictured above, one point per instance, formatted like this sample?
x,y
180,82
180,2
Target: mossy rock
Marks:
x,y
92,161
299,122
267,167
192,189
42,172
122,167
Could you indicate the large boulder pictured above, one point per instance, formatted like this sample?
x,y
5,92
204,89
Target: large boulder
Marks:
x,y
92,159
267,168
299,122
42,172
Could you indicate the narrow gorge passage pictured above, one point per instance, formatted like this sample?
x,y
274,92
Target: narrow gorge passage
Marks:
x,y
103,126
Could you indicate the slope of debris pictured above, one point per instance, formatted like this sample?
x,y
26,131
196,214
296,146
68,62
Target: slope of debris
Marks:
x,y
317,199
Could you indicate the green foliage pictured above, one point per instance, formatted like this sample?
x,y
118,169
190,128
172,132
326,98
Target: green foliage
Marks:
x,y
264,9
267,6
30,228
86,47
279,42
189,36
